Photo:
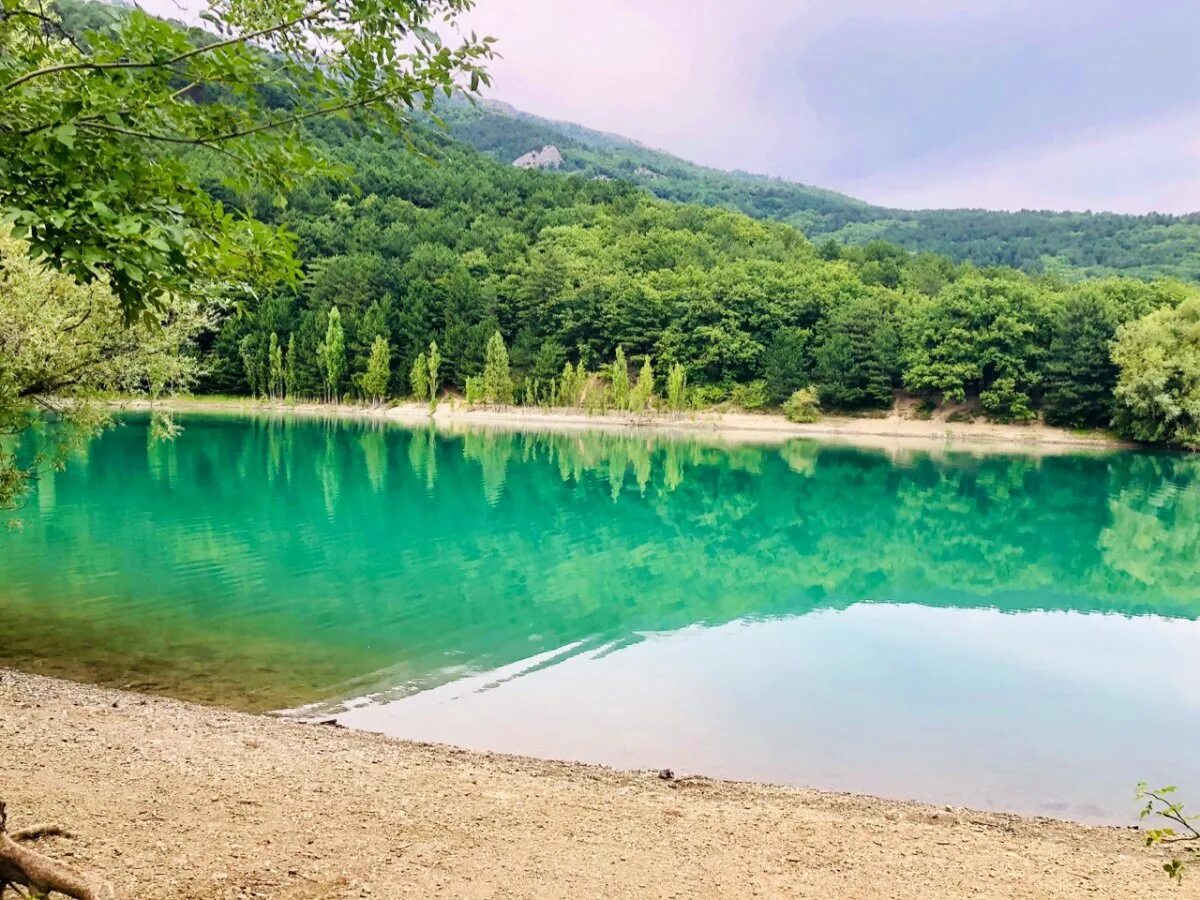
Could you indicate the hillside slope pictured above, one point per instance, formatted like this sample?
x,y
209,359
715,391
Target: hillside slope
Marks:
x,y
1074,244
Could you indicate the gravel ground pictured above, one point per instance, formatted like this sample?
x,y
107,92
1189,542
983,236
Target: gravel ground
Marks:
x,y
175,800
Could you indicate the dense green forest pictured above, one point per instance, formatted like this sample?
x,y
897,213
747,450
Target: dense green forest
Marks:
x,y
575,274
448,269
1070,243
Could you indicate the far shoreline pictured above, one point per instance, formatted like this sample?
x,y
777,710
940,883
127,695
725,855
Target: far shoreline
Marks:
x,y
893,431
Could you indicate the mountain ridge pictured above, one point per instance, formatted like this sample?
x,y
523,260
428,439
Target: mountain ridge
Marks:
x,y
1067,243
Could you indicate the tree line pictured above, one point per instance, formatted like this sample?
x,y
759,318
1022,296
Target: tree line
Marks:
x,y
580,290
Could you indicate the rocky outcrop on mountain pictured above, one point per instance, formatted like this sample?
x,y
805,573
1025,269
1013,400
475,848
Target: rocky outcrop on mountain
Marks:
x,y
546,158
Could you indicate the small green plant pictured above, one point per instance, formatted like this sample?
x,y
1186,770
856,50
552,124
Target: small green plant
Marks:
x,y
1159,805
926,409
803,406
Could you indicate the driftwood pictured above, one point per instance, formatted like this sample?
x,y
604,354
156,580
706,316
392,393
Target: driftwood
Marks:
x,y
37,875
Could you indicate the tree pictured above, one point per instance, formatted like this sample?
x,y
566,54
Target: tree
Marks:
x,y
333,356
643,391
63,346
275,379
981,336
788,363
418,378
379,370
676,388
572,385
434,363
618,381
254,364
1080,373
93,176
289,369
856,360
1158,381
497,378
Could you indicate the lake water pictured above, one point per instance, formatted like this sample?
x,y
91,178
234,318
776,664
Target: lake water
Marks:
x,y
1000,631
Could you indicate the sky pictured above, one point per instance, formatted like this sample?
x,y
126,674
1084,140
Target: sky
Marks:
x,y
1003,104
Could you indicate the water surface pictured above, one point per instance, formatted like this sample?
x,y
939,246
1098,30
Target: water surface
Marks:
x,y
1001,631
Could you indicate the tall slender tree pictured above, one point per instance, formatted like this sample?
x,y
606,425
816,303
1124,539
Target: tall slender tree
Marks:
x,y
618,389
289,368
333,355
379,370
497,376
434,363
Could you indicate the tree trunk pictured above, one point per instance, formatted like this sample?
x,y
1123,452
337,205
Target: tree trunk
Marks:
x,y
29,869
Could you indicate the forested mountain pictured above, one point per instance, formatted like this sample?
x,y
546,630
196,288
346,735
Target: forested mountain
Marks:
x,y
448,268
1073,244
583,279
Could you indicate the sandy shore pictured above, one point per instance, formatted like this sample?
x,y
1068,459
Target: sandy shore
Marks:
x,y
173,800
896,429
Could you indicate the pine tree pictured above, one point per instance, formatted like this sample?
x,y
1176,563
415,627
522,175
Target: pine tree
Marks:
x,y
1080,373
418,378
497,377
379,370
333,356
619,381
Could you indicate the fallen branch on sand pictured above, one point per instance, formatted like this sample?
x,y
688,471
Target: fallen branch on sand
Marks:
x,y
34,874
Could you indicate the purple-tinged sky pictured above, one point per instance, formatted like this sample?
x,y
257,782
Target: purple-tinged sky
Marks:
x,y
1062,104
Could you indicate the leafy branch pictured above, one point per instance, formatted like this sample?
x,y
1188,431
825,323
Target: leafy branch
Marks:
x,y
1158,803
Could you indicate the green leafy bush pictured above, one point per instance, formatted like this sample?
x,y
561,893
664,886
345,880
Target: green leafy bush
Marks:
x,y
803,406
749,396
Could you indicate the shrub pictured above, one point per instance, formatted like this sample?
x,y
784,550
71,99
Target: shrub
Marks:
x,y
803,406
705,395
749,396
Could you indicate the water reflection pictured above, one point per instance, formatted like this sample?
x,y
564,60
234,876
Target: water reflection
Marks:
x,y
273,561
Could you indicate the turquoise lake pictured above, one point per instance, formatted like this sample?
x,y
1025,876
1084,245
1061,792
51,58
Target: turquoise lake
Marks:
x,y
1011,632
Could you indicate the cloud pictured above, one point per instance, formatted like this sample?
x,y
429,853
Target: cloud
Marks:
x,y
1142,166
1002,103
989,103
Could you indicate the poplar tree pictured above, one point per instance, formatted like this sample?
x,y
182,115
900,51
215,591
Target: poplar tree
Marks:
x,y
333,355
418,378
434,364
275,367
619,381
676,387
644,389
379,370
497,377
289,368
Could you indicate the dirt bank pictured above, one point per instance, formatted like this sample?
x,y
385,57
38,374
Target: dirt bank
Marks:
x,y
173,800
898,428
